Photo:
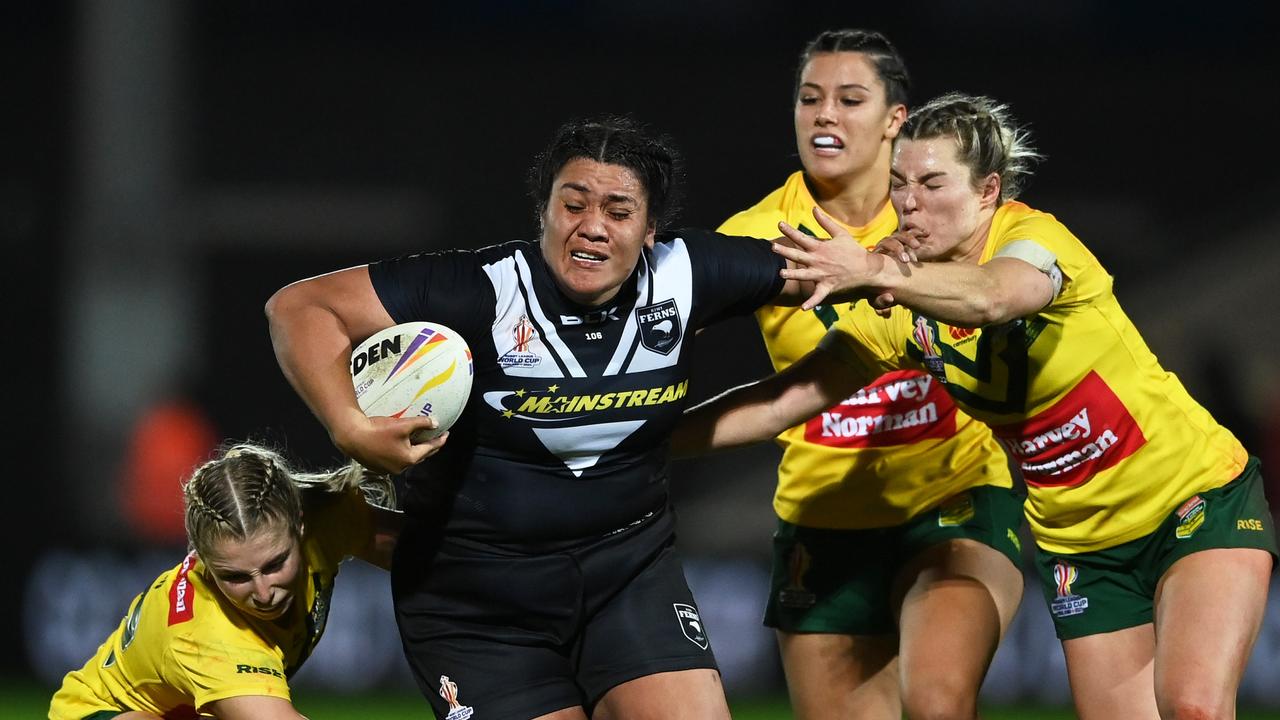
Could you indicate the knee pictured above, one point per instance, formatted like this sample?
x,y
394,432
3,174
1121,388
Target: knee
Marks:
x,y
939,702
1192,708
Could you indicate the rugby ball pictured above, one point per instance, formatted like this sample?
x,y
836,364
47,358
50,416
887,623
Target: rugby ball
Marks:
x,y
412,369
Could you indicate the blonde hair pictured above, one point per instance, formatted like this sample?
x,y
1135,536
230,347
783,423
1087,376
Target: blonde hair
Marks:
x,y
249,487
988,140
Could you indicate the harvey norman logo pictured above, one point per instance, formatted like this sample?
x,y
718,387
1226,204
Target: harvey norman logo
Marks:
x,y
1084,433
900,407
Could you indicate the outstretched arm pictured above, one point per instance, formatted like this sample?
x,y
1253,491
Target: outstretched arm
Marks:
x,y
956,293
314,324
761,410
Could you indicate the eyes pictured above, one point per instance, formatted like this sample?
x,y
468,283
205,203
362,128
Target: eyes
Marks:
x,y
240,578
848,101
616,213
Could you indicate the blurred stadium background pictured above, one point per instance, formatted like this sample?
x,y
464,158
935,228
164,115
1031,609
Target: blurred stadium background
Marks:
x,y
167,165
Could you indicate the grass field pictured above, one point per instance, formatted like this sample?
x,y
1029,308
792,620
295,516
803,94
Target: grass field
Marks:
x,y
28,700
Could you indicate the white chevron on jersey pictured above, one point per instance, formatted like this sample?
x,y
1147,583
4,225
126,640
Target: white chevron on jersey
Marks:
x,y
675,282
548,327
580,447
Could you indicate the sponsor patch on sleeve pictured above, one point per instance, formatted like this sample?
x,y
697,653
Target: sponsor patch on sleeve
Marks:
x,y
182,595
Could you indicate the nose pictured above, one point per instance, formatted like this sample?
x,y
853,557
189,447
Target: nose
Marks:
x,y
908,201
826,113
261,591
592,226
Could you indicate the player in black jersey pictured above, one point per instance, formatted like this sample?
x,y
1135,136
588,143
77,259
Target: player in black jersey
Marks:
x,y
536,576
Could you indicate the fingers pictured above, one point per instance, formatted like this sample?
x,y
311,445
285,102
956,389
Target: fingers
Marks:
x,y
827,222
798,238
422,450
819,294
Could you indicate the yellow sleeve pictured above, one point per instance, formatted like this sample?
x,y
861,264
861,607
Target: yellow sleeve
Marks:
x,y
869,344
1083,277
216,669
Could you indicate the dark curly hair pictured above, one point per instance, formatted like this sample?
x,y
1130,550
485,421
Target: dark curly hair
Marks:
x,y
614,140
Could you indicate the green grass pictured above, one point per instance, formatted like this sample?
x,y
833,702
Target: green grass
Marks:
x,y
20,699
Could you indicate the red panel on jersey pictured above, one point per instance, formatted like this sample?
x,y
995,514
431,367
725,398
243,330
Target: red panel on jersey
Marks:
x,y
899,408
182,595
1084,433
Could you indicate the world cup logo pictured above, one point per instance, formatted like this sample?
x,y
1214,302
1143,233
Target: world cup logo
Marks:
x,y
449,691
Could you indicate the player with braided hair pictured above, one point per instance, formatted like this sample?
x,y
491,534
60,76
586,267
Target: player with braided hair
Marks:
x,y
927,505
221,633
1154,539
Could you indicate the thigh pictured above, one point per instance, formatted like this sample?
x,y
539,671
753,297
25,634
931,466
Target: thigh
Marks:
x,y
1111,674
491,633
957,600
832,581
841,676
647,626
679,695
1223,591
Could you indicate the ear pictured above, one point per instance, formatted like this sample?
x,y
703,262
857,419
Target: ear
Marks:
x,y
897,116
650,234
990,191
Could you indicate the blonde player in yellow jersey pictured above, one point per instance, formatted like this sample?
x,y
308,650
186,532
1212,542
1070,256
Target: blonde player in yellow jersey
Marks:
x,y
220,634
893,473
1155,542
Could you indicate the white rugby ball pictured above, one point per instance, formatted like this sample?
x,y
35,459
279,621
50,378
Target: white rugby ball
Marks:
x,y
412,369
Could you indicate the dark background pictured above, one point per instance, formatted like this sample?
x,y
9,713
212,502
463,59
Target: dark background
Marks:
x,y
211,152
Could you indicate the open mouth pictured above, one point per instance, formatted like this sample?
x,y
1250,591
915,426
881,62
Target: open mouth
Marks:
x,y
588,256
827,142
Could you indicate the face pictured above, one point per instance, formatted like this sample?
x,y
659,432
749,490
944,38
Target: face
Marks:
x,y
594,228
843,124
934,195
259,575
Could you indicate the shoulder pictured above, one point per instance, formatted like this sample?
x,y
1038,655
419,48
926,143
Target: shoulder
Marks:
x,y
761,220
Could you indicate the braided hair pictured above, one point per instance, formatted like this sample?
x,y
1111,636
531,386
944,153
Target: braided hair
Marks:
x,y
988,140
884,57
249,487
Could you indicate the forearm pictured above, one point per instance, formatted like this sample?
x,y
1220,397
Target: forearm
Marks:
x,y
762,410
964,294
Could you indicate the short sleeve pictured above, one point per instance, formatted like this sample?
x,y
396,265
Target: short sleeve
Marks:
x,y
1038,256
444,287
731,275
216,670
1040,236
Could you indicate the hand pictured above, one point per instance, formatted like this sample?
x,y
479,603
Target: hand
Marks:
x,y
836,266
386,444
900,246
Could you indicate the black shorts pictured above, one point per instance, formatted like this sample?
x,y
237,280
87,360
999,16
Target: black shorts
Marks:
x,y
510,635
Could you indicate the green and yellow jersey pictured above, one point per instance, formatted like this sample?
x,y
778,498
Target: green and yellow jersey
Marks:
x,y
183,645
892,450
1108,441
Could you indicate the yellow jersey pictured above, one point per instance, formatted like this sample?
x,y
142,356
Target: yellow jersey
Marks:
x,y
895,448
183,645
1108,441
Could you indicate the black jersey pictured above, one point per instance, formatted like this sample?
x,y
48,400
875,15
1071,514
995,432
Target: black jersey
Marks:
x,y
565,435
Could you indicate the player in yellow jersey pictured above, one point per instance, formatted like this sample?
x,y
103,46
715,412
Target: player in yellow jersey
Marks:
x,y
220,634
893,473
1155,542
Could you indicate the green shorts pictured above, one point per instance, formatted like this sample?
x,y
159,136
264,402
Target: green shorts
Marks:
x,y
840,581
1113,589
